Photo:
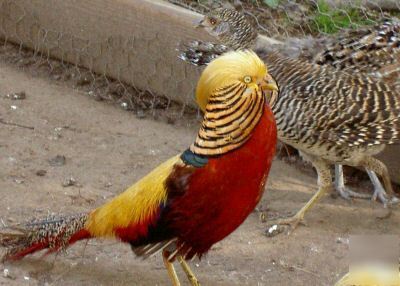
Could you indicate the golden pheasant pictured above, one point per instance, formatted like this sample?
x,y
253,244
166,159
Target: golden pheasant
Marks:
x,y
194,199
331,117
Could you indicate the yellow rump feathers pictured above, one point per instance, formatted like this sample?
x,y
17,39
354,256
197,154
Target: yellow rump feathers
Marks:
x,y
228,69
135,205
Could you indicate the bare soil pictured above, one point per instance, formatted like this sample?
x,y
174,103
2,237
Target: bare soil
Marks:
x,y
106,150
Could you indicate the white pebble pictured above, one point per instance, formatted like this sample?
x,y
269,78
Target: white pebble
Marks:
x,y
12,159
273,228
124,105
13,107
26,278
6,273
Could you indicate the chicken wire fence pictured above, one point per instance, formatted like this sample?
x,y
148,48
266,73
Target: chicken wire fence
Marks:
x,y
77,57
103,69
298,18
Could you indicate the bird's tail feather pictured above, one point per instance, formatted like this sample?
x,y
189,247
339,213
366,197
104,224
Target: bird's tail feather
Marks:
x,y
52,233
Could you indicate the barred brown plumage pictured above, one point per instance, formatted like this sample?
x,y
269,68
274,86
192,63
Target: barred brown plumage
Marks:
x,y
223,129
53,231
367,50
331,117
370,50
345,111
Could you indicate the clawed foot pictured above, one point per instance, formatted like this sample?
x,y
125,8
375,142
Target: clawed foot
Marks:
x,y
379,194
288,225
384,198
348,194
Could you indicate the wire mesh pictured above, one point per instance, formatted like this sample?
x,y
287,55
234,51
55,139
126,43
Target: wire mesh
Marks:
x,y
98,68
75,59
299,18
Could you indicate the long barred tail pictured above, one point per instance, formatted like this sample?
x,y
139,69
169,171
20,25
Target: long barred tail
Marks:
x,y
53,233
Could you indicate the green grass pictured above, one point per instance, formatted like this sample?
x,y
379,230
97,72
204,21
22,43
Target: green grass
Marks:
x,y
271,3
325,19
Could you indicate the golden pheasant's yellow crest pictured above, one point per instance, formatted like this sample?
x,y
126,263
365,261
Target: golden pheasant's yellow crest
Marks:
x,y
228,69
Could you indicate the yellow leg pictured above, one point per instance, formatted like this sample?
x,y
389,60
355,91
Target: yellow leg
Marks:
x,y
295,220
171,270
189,273
324,183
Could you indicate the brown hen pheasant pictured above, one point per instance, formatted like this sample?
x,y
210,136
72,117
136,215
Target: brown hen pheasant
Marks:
x,y
331,117
374,51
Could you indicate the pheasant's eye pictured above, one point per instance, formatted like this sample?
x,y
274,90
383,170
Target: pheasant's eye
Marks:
x,y
247,79
213,21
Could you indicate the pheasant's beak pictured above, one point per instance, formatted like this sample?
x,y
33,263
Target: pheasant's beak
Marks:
x,y
198,23
268,83
269,86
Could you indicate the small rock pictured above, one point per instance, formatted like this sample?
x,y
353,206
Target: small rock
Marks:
x,y
341,240
6,274
69,182
314,248
274,230
41,173
57,161
17,95
154,152
13,107
26,278
12,160
124,105
95,95
19,181
54,137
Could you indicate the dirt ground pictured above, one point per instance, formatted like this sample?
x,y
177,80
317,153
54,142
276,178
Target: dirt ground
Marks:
x,y
106,150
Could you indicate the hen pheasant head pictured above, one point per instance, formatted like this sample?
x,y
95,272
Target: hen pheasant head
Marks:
x,y
230,27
